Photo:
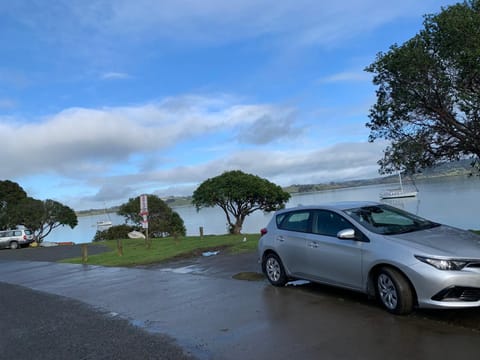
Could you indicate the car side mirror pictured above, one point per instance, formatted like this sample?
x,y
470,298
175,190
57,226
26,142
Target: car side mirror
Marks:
x,y
346,234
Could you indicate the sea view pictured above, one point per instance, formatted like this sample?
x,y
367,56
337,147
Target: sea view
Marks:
x,y
453,201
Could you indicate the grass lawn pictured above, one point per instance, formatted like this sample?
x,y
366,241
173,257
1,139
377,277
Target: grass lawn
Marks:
x,y
163,249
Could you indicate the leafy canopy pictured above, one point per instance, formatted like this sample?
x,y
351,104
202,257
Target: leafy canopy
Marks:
x,y
428,95
238,195
161,218
16,208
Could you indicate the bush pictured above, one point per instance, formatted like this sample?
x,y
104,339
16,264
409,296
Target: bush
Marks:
x,y
114,233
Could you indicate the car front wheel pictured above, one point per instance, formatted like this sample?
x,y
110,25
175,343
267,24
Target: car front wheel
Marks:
x,y
394,291
274,270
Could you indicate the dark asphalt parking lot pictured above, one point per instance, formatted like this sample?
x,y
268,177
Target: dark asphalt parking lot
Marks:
x,y
36,325
209,314
54,253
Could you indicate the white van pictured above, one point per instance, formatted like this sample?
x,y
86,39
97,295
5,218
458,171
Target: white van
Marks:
x,y
14,239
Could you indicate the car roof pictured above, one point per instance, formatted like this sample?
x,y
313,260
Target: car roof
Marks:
x,y
342,205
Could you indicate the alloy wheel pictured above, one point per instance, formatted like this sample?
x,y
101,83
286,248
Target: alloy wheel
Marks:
x,y
387,291
273,269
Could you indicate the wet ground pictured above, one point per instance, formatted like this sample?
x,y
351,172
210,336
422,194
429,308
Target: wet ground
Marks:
x,y
213,316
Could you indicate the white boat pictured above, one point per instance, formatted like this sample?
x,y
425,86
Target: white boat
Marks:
x,y
398,193
104,225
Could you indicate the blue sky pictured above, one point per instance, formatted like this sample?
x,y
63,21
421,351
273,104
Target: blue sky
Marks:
x,y
102,100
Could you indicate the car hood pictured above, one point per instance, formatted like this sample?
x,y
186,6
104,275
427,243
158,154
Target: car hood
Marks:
x,y
443,241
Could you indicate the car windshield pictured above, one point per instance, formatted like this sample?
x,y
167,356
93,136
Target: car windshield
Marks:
x,y
388,220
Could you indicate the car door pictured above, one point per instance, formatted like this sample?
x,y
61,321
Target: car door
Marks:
x,y
330,259
291,240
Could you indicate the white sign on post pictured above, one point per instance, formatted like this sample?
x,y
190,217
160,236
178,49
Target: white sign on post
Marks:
x,y
144,210
143,204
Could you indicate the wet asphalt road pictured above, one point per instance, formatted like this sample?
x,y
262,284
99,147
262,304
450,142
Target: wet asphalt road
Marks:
x,y
36,325
212,316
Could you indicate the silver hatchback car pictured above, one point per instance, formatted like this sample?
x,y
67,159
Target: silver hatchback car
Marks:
x,y
400,258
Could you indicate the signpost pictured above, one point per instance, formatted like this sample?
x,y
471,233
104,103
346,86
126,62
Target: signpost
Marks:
x,y
144,215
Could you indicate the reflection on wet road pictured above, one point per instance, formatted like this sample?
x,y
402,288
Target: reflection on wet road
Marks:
x,y
217,317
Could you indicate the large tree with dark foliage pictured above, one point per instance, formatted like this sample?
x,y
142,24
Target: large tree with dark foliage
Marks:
x,y
10,194
428,95
16,208
161,218
54,215
238,195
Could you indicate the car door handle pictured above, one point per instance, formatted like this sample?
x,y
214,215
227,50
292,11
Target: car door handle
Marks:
x,y
313,244
280,238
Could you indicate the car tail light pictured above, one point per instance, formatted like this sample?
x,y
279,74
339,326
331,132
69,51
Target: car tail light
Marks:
x,y
263,231
24,237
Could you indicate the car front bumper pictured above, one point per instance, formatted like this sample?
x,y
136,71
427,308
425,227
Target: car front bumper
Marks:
x,y
444,288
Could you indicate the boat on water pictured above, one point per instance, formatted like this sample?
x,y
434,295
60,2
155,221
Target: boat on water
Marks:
x,y
104,225
398,193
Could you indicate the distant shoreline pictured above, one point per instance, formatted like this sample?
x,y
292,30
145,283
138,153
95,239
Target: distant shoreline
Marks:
x,y
174,201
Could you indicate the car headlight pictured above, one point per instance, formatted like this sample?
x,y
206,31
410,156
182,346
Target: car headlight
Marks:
x,y
443,264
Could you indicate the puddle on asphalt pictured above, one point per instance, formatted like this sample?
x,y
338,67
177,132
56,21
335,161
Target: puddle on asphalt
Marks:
x,y
249,276
183,270
298,283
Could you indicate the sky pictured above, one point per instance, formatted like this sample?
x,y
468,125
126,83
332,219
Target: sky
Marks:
x,y
104,100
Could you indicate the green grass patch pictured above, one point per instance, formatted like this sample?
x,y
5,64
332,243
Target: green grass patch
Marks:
x,y
164,249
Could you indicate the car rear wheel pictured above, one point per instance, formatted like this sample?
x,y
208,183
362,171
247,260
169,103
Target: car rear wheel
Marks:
x,y
274,270
14,245
394,291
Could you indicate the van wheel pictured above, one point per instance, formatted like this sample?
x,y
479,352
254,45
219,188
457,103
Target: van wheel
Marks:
x,y
274,270
394,291
14,245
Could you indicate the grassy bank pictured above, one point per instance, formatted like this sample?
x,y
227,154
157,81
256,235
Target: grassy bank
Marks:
x,y
164,249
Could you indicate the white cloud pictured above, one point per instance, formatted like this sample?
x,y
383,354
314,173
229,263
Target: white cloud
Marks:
x,y
307,21
343,161
78,142
105,151
115,76
304,22
347,76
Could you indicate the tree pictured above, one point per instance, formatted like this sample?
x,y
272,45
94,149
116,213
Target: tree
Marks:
x,y
27,212
161,218
115,232
54,215
428,95
16,208
238,195
10,194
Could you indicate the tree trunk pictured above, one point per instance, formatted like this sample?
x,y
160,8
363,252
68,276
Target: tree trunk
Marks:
x,y
236,228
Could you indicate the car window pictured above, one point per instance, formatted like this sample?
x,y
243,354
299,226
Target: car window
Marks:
x,y
17,233
295,221
28,232
329,223
387,220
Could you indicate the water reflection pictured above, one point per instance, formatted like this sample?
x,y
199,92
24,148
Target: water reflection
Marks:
x,y
453,201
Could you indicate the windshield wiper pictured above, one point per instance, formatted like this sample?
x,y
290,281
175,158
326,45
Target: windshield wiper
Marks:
x,y
407,230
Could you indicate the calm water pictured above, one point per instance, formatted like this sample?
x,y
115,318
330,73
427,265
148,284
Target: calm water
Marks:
x,y
453,201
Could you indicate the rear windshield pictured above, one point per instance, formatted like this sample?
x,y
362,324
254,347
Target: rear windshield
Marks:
x,y
28,232
388,220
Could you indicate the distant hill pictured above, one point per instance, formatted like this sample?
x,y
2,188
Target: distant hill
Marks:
x,y
456,168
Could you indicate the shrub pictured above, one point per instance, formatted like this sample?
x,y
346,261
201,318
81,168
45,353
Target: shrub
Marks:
x,y
114,233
